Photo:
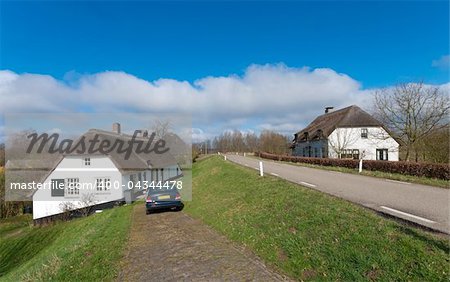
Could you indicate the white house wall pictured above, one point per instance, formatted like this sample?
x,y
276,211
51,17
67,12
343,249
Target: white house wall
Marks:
x,y
73,167
350,138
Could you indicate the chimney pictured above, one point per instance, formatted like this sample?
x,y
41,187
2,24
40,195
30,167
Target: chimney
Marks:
x,y
116,127
328,109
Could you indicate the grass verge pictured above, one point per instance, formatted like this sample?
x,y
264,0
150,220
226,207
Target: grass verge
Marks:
x,y
380,174
87,249
310,235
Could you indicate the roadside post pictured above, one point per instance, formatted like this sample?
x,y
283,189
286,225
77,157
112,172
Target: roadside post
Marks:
x,y
360,165
224,157
261,171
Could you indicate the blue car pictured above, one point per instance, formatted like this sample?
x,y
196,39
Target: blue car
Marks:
x,y
160,199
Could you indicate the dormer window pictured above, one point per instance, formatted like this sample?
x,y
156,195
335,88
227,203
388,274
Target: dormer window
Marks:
x,y
364,133
87,161
306,136
320,133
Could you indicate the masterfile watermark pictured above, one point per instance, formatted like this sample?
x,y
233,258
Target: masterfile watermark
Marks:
x,y
111,157
96,145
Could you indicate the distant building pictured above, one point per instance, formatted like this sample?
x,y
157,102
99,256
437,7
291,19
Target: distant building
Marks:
x,y
348,133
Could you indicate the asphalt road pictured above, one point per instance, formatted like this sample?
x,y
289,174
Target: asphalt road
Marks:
x,y
425,205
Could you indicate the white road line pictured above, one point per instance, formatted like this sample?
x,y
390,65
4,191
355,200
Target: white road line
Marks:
x,y
396,181
407,214
274,174
308,184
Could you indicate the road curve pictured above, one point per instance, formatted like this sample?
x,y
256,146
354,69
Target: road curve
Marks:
x,y
424,205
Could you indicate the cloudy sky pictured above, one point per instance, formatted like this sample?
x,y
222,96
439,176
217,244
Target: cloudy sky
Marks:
x,y
228,65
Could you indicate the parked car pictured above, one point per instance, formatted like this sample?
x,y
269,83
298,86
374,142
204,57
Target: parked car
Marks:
x,y
163,198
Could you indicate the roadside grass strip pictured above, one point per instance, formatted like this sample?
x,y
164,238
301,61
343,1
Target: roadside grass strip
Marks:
x,y
309,235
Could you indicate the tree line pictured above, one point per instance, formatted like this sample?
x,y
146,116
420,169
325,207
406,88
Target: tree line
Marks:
x,y
237,141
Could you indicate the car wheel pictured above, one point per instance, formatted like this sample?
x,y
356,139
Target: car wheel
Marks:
x,y
147,212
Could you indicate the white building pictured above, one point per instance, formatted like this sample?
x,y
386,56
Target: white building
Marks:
x,y
101,179
346,133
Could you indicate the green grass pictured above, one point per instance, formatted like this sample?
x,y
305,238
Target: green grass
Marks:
x,y
87,249
380,174
310,235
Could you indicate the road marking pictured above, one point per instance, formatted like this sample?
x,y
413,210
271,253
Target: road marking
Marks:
x,y
246,164
396,181
308,184
274,174
407,214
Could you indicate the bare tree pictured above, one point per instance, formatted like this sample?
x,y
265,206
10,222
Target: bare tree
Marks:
x,y
2,155
66,210
251,142
272,142
161,128
341,139
87,203
412,111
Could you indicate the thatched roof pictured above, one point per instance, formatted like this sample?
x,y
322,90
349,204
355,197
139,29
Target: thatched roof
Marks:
x,y
135,161
324,125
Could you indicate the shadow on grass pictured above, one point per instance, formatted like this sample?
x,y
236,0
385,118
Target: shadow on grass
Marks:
x,y
440,244
17,250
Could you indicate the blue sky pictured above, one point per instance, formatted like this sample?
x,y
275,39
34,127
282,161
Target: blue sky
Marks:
x,y
375,43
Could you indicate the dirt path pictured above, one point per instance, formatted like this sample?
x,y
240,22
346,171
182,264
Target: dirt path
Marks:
x,y
171,246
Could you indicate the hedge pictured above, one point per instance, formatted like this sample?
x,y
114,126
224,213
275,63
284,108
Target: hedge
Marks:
x,y
431,170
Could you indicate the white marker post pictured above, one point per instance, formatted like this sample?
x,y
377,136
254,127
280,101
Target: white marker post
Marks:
x,y
244,154
224,157
261,171
360,166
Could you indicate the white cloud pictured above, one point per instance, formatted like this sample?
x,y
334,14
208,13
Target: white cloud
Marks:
x,y
273,97
443,62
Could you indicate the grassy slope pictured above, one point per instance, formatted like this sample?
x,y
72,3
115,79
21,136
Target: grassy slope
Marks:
x,y
87,249
310,235
379,174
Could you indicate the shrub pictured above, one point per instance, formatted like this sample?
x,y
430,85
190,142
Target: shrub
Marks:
x,y
431,170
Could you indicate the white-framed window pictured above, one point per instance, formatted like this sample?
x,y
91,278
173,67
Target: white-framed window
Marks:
x,y
72,186
87,161
382,155
364,133
103,184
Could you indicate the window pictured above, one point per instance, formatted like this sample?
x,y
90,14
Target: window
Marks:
x,y
103,184
382,154
364,133
316,152
72,186
87,161
350,154
57,187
